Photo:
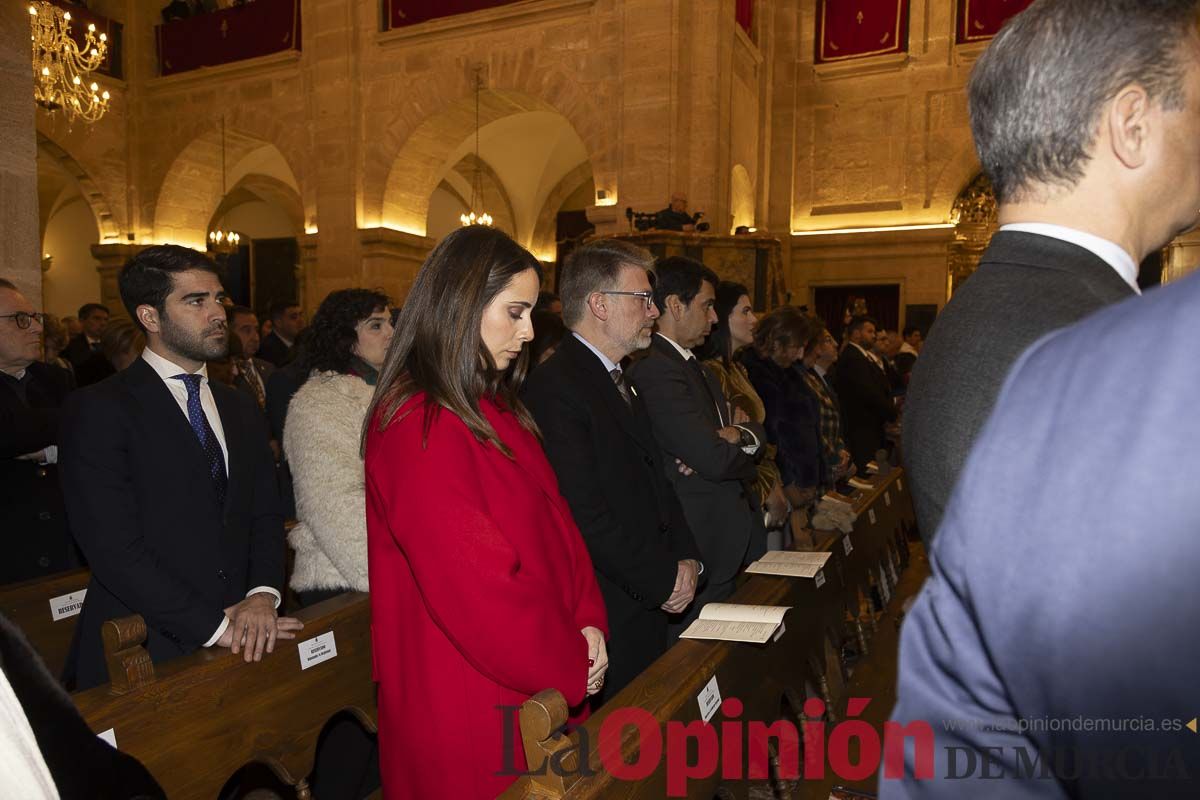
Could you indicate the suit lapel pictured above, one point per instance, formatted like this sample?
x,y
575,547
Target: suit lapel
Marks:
x,y
235,442
591,371
699,383
165,416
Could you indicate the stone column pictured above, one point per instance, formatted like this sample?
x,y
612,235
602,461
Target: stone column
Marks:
x,y
110,258
391,260
19,256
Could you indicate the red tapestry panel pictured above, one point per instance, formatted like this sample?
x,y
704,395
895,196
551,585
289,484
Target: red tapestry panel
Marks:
x,y
399,13
856,28
744,13
982,19
80,19
232,34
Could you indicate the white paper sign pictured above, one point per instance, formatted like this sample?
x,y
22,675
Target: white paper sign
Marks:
x,y
819,580
709,699
849,548
883,585
109,736
887,498
317,649
779,633
871,515
66,605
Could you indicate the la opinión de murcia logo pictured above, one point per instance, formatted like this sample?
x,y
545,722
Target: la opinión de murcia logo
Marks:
x,y
737,749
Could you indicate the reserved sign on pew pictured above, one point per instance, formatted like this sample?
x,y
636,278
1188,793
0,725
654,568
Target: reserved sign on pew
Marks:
x,y
317,650
67,605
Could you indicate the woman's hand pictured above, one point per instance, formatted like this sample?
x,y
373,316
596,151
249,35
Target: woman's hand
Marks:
x,y
597,659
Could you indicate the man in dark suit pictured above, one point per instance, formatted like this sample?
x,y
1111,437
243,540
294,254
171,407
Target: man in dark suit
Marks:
x,y
1082,144
692,422
610,469
35,541
253,373
864,393
84,351
170,484
287,320
1064,575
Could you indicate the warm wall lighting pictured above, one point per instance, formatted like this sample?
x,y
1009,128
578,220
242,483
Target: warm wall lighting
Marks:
x,y
842,231
310,229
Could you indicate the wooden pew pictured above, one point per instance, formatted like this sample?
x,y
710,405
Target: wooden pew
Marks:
x,y
195,721
772,681
28,606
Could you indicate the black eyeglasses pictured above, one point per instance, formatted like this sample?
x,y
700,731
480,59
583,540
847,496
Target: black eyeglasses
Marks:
x,y
645,295
25,319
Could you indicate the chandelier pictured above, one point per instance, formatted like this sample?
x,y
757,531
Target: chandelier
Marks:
x,y
482,217
222,241
61,66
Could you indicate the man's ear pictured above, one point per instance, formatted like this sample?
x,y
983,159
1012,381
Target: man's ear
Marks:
x,y
598,305
676,307
148,316
1132,119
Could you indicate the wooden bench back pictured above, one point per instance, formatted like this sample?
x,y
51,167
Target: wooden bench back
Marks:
x,y
195,721
27,605
771,681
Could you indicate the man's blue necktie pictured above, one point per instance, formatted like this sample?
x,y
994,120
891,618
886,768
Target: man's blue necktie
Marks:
x,y
208,439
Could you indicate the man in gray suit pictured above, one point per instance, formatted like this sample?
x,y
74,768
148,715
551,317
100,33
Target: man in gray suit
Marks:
x,y
692,422
1055,643
1082,118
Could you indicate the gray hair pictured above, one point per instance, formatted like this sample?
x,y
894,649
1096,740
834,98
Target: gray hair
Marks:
x,y
1037,92
595,267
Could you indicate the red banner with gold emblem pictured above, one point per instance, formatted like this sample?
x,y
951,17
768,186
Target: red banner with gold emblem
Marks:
x,y
983,19
857,28
401,13
232,34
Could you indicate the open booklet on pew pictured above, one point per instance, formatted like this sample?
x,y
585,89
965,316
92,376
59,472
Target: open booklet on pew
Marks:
x,y
734,622
791,563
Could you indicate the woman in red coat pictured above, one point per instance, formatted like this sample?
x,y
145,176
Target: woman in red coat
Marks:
x,y
482,592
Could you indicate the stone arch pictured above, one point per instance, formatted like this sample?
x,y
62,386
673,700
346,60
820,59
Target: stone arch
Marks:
x,y
545,230
190,189
402,161
106,224
955,173
265,188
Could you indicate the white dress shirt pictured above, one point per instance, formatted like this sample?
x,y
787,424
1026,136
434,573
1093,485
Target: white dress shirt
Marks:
x,y
1110,253
167,370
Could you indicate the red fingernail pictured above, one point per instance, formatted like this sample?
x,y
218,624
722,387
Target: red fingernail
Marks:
x,y
591,662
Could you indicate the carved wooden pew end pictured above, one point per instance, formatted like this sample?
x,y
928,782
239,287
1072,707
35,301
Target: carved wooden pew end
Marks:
x,y
541,717
129,665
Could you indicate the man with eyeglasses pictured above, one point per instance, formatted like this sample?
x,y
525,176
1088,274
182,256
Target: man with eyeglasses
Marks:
x,y
35,537
611,471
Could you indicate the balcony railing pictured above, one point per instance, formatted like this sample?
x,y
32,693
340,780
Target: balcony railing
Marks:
x,y
233,34
402,13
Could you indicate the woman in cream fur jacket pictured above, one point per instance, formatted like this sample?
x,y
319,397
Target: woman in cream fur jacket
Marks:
x,y
351,332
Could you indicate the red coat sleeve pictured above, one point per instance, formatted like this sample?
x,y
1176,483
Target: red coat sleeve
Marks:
x,y
508,625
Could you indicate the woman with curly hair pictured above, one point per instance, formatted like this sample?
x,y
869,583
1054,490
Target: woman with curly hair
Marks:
x,y
347,343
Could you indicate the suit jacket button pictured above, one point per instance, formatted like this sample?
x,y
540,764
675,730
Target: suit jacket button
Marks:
x,y
649,461
664,528
43,515
221,574
41,473
43,561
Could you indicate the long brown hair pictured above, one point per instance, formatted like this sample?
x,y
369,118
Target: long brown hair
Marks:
x,y
437,347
